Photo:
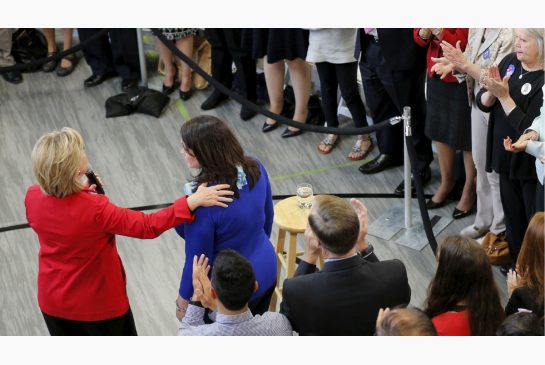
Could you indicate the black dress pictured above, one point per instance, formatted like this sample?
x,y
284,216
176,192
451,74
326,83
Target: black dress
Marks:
x,y
276,43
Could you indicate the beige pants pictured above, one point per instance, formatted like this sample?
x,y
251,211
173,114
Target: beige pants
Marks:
x,y
6,59
489,206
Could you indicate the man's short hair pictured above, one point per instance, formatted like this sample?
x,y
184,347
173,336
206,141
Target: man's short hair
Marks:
x,y
335,223
521,324
406,322
233,279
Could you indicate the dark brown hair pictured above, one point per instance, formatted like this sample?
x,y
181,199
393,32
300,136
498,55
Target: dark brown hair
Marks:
x,y
335,223
464,275
218,152
530,265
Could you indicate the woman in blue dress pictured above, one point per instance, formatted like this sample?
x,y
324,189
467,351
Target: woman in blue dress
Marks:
x,y
245,226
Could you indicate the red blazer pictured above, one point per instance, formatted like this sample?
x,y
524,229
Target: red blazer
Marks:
x,y
450,35
80,274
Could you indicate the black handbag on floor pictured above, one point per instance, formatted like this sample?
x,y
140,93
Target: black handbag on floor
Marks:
x,y
136,100
28,45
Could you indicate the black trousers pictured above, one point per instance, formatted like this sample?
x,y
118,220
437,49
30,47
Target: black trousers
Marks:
x,y
519,199
343,76
387,91
119,326
226,49
539,198
114,53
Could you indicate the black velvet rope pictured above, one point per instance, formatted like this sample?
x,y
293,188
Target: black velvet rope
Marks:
x,y
258,109
56,57
420,196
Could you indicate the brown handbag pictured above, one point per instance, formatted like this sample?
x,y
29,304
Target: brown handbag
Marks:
x,y
497,249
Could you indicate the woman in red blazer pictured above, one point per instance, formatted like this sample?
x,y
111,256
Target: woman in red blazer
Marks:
x,y
81,280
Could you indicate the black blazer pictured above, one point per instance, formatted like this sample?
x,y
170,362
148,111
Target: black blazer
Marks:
x,y
397,46
345,297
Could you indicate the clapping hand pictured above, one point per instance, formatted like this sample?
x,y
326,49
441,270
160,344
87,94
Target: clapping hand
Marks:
x,y
495,84
442,67
202,288
513,281
454,55
361,211
381,315
312,247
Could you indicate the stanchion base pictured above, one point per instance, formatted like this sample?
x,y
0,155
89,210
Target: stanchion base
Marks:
x,y
392,222
389,223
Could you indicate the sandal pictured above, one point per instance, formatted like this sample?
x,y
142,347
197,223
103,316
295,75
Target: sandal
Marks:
x,y
327,144
357,148
65,71
51,65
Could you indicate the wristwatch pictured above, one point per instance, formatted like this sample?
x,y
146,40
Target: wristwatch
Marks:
x,y
196,303
436,31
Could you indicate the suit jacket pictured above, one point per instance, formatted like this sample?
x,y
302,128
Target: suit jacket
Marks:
x,y
345,297
397,46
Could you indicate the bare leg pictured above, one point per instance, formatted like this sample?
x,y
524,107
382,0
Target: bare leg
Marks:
x,y
186,46
445,155
274,76
468,195
49,34
170,70
67,43
300,77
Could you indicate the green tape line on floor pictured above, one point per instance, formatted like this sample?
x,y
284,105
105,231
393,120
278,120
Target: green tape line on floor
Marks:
x,y
317,170
182,109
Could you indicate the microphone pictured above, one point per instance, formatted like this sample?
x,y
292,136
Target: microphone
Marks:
x,y
93,180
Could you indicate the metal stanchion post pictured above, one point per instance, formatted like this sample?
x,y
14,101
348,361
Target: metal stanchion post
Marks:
x,y
407,166
142,59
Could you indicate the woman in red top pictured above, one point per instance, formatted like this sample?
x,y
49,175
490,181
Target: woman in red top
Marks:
x,y
448,119
81,280
463,299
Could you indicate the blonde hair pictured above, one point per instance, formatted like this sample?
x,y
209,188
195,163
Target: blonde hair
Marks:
x,y
56,159
537,33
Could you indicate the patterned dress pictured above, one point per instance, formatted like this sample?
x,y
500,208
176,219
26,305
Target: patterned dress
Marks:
x,y
178,33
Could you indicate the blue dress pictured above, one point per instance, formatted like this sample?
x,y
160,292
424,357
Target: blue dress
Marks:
x,y
245,226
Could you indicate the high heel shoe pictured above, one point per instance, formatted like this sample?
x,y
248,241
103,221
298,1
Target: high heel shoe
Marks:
x,y
185,95
430,204
458,214
167,90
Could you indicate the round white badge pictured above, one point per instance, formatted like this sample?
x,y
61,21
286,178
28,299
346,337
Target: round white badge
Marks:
x,y
525,89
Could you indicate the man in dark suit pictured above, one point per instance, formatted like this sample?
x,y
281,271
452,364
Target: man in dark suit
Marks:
x,y
115,53
393,70
226,49
345,297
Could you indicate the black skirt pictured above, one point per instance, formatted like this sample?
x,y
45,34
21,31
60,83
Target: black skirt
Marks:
x,y
276,43
448,114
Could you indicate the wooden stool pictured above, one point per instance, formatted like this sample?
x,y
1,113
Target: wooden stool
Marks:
x,y
292,220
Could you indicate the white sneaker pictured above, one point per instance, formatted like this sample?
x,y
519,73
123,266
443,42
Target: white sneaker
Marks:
x,y
473,232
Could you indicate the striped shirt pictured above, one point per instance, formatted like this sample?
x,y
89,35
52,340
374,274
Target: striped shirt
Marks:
x,y
245,324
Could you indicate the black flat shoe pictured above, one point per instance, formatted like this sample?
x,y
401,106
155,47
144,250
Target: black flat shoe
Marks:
x,y
94,80
288,134
269,127
430,204
185,95
246,113
167,90
458,214
14,77
378,164
213,100
128,84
